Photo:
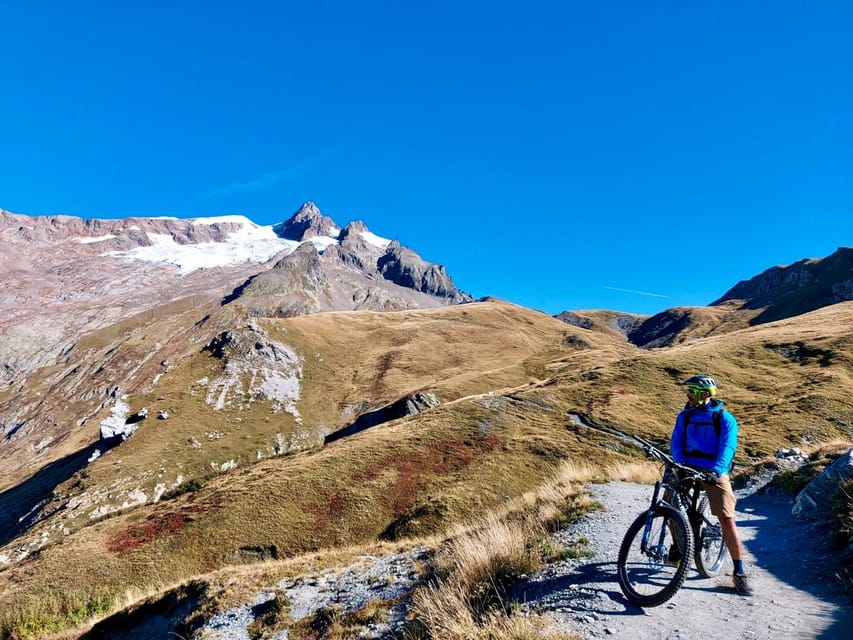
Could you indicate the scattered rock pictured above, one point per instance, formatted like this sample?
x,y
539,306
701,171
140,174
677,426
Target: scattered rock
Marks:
x,y
795,455
388,579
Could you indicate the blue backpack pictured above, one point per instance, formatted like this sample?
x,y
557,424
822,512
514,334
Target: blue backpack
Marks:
x,y
716,420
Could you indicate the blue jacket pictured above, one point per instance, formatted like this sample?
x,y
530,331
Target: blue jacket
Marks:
x,y
698,445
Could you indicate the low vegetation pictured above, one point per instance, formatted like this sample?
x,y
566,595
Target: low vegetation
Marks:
x,y
270,618
469,595
333,624
55,611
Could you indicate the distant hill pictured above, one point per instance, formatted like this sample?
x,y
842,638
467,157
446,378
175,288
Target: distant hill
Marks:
x,y
782,292
774,294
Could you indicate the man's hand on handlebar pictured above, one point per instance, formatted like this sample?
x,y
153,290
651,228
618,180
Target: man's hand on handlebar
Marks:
x,y
709,477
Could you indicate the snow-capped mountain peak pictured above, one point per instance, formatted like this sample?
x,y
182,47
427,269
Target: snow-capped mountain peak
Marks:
x,y
243,242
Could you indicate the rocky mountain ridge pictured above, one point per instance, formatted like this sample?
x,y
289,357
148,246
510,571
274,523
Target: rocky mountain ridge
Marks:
x,y
806,285
775,294
94,273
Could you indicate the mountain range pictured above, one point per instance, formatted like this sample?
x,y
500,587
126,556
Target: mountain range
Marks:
x,y
178,396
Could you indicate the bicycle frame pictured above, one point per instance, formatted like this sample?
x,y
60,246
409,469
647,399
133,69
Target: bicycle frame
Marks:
x,y
673,532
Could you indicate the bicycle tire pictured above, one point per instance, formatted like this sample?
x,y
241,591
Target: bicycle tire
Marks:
x,y
646,579
710,549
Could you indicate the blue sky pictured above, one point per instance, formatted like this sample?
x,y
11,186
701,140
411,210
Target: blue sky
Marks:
x,y
561,155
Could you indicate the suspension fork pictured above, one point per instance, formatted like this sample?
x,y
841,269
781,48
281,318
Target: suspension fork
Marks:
x,y
644,546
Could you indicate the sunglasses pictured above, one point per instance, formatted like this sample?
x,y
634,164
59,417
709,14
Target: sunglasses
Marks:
x,y
696,392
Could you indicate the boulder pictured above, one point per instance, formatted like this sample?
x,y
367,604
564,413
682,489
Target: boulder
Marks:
x,y
813,501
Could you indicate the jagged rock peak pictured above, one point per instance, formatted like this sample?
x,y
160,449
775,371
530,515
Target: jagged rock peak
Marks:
x,y
354,228
307,223
403,266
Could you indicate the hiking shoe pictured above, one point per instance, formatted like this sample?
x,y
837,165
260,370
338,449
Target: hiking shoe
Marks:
x,y
742,585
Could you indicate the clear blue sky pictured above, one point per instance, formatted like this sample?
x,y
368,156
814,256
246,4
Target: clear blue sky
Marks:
x,y
561,155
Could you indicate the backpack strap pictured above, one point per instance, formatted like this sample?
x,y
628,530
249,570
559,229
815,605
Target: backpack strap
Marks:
x,y
716,416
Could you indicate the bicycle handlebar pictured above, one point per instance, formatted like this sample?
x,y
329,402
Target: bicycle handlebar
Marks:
x,y
653,452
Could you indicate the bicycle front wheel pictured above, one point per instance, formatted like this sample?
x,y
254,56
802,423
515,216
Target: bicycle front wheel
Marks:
x,y
711,550
653,560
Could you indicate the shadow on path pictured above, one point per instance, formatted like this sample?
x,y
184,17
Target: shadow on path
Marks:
x,y
795,552
594,588
589,588
796,596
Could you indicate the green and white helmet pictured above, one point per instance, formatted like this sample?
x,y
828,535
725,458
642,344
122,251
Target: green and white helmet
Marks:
x,y
704,383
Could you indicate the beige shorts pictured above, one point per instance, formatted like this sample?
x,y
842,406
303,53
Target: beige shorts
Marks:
x,y
721,497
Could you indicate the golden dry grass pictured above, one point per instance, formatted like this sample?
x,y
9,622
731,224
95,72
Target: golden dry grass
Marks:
x,y
476,568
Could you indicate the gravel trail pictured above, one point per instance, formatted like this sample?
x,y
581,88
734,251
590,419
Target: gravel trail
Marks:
x,y
786,559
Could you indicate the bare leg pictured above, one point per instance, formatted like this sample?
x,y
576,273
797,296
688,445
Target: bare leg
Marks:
x,y
732,538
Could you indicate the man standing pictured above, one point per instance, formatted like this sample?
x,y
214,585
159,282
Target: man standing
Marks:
x,y
705,437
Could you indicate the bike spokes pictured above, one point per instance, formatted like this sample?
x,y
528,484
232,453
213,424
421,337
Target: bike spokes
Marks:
x,y
651,574
710,547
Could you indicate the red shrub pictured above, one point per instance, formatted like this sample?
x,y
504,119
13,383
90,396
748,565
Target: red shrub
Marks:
x,y
142,533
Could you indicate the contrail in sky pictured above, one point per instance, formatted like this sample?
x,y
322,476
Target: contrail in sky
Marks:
x,y
267,180
642,293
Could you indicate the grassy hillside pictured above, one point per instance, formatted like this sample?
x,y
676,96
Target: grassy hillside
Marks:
x,y
507,377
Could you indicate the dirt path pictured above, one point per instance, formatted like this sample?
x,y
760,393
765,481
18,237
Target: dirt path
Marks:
x,y
787,559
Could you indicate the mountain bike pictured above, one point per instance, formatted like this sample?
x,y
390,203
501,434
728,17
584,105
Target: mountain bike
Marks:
x,y
676,529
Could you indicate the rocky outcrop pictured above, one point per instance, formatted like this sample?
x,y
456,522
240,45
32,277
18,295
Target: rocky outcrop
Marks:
x,y
294,286
406,268
786,291
358,271
660,330
813,501
405,406
575,320
354,250
256,369
117,234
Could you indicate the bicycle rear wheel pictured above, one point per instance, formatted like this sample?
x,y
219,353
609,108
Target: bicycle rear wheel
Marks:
x,y
711,549
648,578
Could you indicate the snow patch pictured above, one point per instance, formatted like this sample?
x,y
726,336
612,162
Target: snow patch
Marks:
x,y
116,424
251,243
95,239
249,246
322,242
376,241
